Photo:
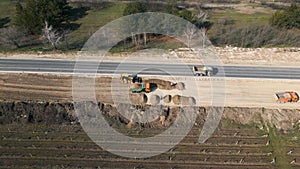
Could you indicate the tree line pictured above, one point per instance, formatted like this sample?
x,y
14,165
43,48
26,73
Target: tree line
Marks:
x,y
49,20
198,18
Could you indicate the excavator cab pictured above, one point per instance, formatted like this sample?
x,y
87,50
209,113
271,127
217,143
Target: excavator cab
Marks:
x,y
295,96
147,87
129,78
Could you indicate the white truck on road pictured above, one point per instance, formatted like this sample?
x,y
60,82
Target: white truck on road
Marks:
x,y
203,70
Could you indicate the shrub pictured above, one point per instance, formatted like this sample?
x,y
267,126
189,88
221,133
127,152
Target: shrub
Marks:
x,y
288,18
255,36
136,7
31,17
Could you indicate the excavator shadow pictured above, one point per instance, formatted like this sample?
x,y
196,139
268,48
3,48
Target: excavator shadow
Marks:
x,y
153,87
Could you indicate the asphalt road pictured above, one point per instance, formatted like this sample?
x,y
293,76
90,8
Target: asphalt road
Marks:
x,y
64,66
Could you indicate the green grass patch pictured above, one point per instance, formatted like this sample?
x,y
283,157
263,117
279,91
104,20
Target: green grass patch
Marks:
x,y
7,12
292,138
94,20
171,44
230,124
161,42
278,145
240,19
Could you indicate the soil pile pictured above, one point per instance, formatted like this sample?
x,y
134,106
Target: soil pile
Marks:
x,y
183,100
162,84
138,98
135,85
167,99
180,86
154,99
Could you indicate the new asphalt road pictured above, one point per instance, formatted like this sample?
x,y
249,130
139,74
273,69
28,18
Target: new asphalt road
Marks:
x,y
66,66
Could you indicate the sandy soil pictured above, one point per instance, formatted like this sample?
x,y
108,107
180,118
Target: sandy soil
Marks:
x,y
246,7
241,7
238,92
250,56
226,55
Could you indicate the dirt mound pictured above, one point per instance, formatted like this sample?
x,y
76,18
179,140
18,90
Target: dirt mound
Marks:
x,y
183,100
130,124
154,99
283,119
143,98
180,86
162,84
135,85
166,85
167,99
138,98
176,99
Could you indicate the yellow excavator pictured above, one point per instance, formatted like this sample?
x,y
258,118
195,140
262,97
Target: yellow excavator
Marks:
x,y
130,78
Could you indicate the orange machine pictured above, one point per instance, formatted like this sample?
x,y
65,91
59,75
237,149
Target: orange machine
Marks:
x,y
140,87
147,87
287,96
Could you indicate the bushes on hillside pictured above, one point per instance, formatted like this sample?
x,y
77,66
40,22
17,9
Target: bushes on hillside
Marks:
x,y
32,16
136,7
288,18
255,36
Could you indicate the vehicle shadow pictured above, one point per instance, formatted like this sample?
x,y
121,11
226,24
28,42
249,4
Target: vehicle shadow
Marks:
x,y
215,71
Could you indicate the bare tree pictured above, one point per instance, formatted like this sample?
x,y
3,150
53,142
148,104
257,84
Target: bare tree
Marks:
x,y
204,36
190,32
51,35
201,16
145,38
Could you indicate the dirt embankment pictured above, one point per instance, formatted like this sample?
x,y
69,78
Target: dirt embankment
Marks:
x,y
64,113
228,55
248,56
283,119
